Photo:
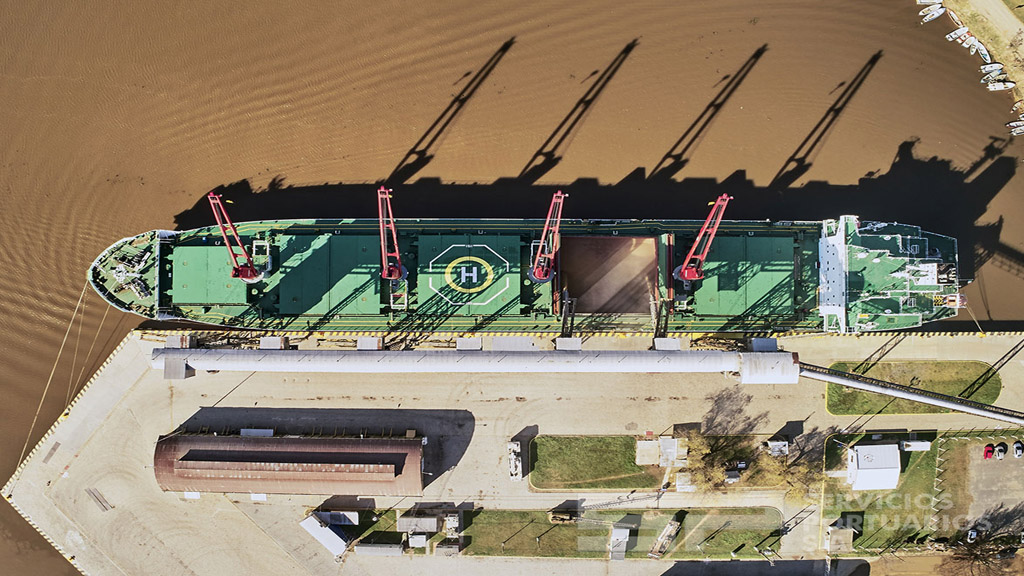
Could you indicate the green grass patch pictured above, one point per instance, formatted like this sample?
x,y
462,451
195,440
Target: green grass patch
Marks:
x,y
956,498
705,532
385,520
886,517
971,379
718,532
525,533
588,462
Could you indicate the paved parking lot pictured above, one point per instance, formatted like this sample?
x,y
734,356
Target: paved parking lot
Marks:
x,y
994,484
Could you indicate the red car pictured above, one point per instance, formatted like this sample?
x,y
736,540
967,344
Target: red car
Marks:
x,y
989,451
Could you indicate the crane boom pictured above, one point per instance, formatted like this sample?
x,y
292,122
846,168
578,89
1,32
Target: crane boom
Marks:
x,y
245,270
391,260
693,267
544,261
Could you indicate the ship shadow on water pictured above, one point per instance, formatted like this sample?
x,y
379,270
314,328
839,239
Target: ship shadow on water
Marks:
x,y
448,432
929,192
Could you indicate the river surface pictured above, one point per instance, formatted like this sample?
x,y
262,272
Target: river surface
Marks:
x,y
117,117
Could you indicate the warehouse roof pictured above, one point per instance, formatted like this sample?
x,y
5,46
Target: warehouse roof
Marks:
x,y
289,465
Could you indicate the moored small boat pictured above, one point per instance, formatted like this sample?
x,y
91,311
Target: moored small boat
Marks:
x,y
1015,124
991,67
933,15
1017,131
923,2
1002,85
991,76
929,9
956,33
969,42
956,19
983,52
1018,105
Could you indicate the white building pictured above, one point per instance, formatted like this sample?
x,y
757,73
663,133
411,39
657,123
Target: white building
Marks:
x,y
873,466
335,543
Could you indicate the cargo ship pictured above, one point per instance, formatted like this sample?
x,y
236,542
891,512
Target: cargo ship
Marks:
x,y
544,276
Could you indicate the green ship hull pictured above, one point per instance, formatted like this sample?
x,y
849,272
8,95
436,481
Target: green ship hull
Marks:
x,y
470,276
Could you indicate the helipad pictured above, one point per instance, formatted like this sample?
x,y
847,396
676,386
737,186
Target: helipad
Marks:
x,y
469,275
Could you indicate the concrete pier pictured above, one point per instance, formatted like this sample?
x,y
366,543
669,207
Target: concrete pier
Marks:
x,y
89,487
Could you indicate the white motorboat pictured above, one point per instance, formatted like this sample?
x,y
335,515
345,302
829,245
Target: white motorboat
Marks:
x,y
983,52
1003,85
964,38
1017,106
929,9
991,67
991,76
969,42
923,2
956,33
956,19
933,15
1017,131
1015,124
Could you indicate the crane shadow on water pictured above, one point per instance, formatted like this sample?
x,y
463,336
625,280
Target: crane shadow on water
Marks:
x,y
929,192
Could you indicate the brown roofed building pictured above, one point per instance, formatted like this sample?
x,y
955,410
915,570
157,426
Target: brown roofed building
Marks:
x,y
289,465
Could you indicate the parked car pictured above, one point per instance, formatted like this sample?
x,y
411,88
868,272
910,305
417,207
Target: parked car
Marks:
x,y
972,536
989,450
1000,450
1018,449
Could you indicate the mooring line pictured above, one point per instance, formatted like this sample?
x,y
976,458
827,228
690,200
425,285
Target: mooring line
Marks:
x,y
976,323
85,364
52,372
74,359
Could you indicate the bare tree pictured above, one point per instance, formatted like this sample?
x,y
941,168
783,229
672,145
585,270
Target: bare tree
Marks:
x,y
798,475
705,472
980,558
997,532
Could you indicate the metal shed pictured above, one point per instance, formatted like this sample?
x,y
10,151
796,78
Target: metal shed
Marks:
x,y
410,524
289,465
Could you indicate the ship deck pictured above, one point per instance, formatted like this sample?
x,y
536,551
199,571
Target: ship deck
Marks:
x,y
468,276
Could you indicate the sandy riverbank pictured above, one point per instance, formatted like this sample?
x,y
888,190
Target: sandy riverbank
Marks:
x,y
996,25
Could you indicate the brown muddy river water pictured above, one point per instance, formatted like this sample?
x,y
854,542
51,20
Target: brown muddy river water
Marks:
x,y
117,117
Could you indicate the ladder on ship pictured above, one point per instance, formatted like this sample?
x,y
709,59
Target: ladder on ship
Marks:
x,y
568,314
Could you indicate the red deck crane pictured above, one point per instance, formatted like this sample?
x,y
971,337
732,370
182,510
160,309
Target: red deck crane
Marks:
x,y
391,260
693,267
245,270
543,262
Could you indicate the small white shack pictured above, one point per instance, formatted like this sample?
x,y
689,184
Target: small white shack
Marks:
x,y
335,543
618,544
873,466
